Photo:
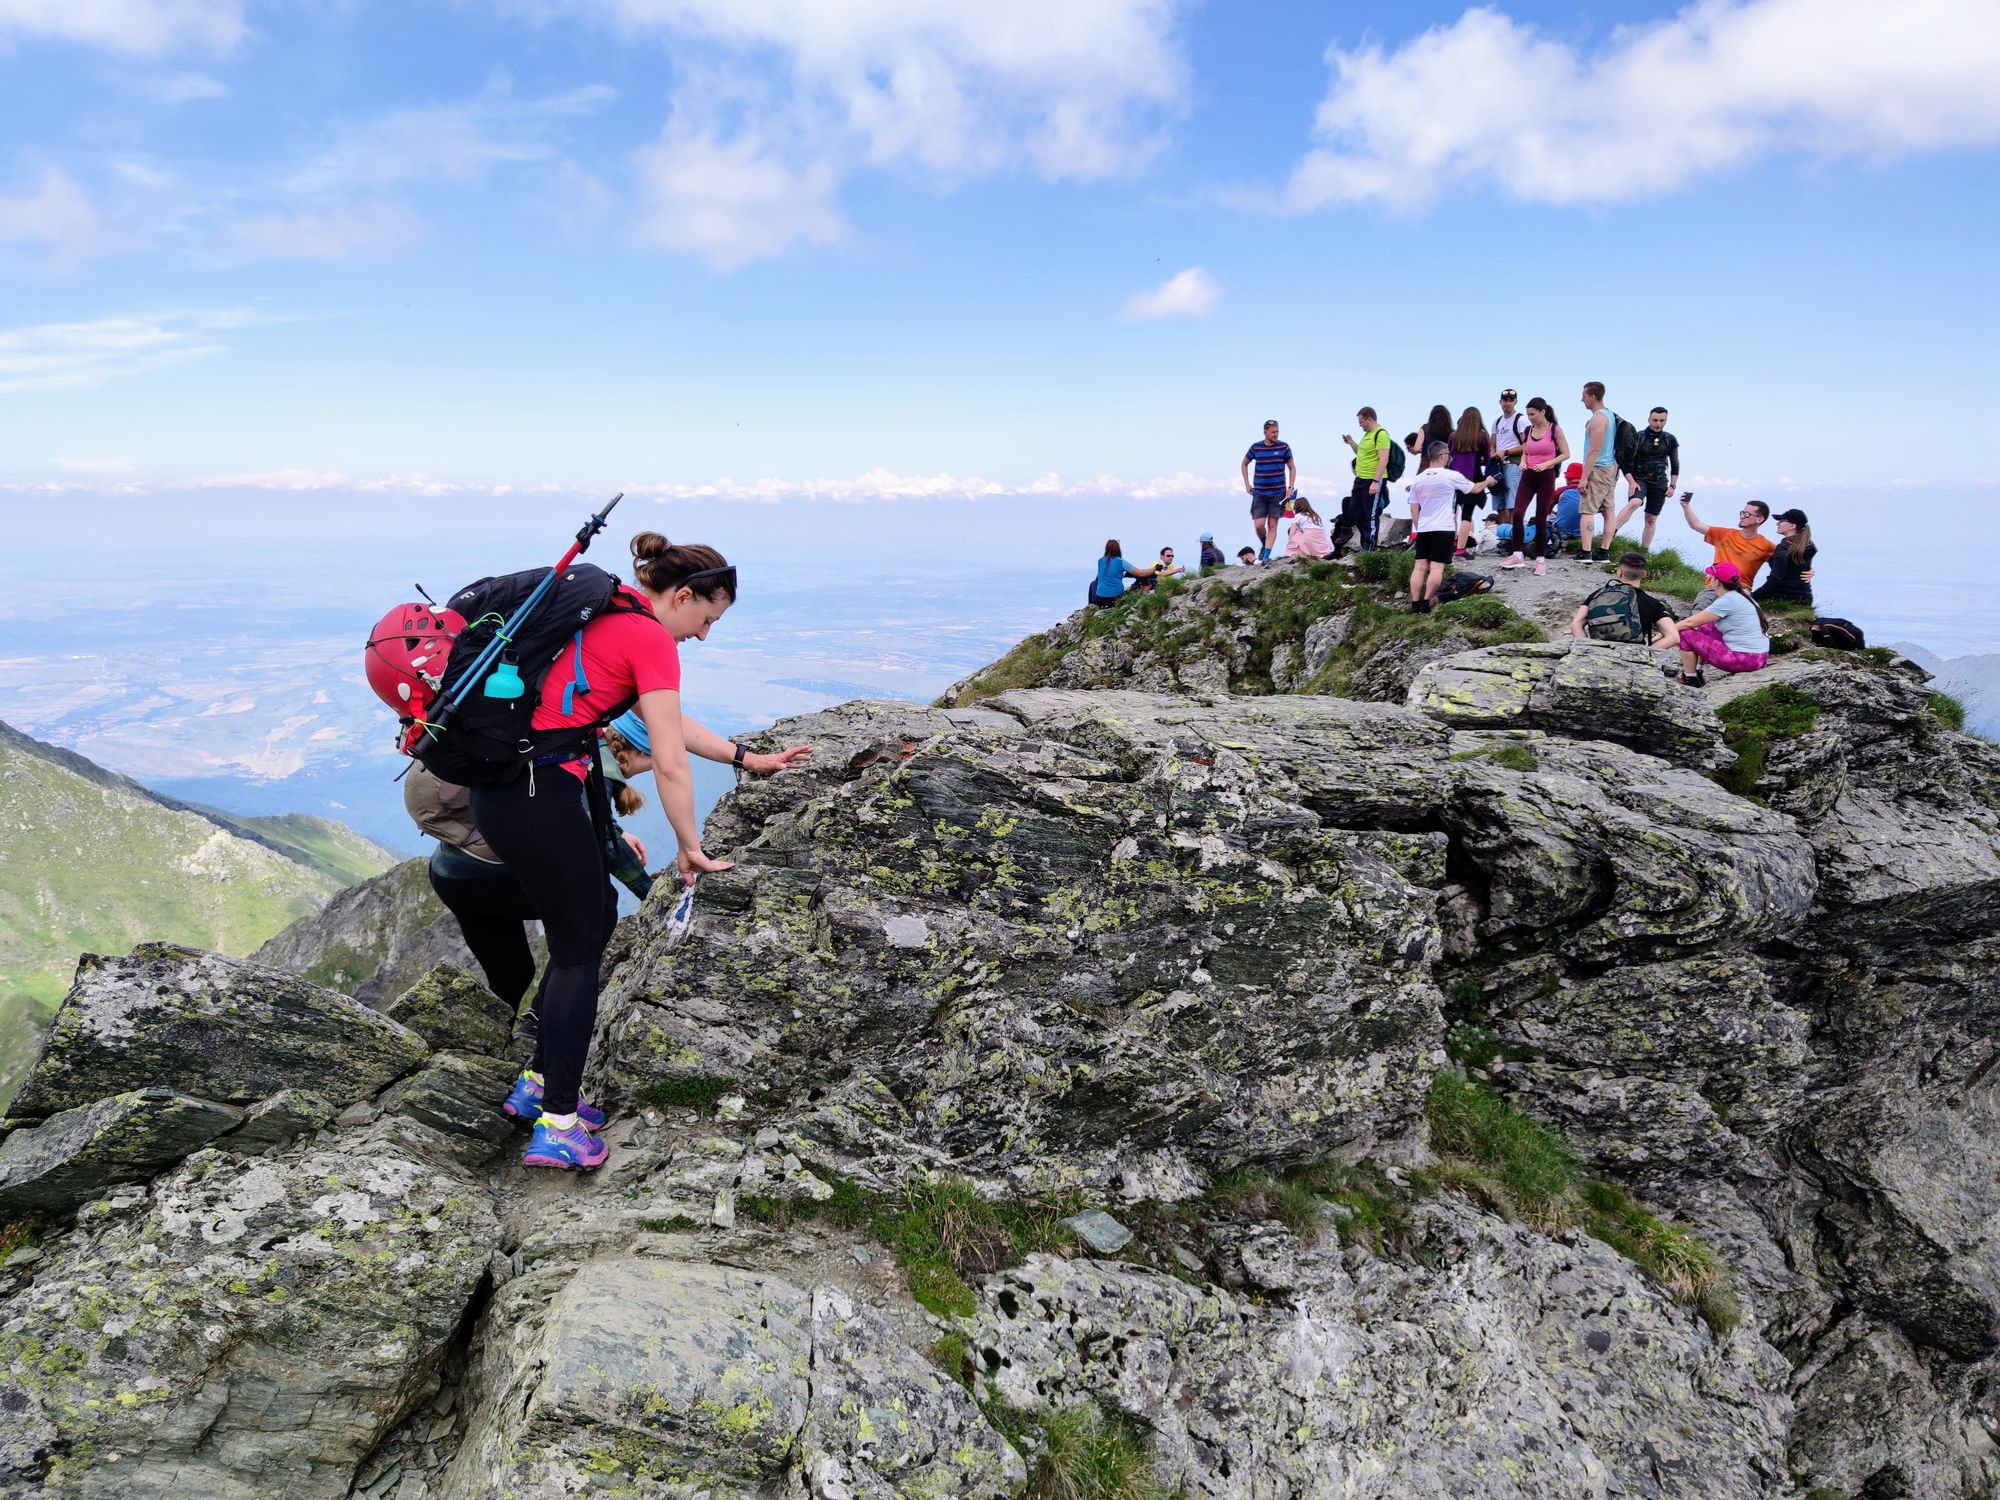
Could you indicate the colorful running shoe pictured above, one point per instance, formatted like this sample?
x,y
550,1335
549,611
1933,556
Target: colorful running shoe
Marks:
x,y
568,1149
525,1103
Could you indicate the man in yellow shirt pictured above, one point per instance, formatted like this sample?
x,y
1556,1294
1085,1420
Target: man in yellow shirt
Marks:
x,y
1371,472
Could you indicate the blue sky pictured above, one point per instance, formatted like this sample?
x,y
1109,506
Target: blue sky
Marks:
x,y
895,247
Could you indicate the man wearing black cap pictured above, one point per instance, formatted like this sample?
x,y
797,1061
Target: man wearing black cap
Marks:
x,y
1509,431
1791,572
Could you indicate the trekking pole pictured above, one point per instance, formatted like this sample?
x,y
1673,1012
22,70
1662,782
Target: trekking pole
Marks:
x,y
504,636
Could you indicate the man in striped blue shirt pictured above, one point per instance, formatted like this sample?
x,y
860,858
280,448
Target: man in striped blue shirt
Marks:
x,y
1270,487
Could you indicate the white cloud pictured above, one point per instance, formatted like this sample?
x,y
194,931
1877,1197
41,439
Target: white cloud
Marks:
x,y
56,216
136,26
1488,99
186,88
350,232
70,356
814,94
456,142
1192,293
733,201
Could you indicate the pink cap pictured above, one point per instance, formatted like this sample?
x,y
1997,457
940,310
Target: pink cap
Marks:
x,y
1725,572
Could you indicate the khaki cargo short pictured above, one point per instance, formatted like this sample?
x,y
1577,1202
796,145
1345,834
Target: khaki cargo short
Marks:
x,y
1597,487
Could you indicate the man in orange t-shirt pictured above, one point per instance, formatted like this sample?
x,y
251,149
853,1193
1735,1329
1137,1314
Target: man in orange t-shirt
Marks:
x,y
1740,544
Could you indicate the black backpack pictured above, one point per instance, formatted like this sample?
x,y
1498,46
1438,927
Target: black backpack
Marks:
x,y
1462,585
1841,635
1624,443
487,740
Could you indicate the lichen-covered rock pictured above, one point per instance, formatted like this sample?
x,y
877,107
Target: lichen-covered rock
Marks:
x,y
171,1017
459,1094
1513,1366
72,1157
1114,928
454,1012
1614,855
251,1331
1589,690
662,1378
276,1121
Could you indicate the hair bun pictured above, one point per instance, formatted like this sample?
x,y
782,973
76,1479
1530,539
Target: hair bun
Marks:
x,y
648,545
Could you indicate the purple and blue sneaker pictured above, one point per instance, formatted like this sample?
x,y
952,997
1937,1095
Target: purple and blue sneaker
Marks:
x,y
568,1149
525,1103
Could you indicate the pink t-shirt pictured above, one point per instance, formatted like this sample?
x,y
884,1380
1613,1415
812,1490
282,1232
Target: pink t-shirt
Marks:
x,y
1540,450
623,655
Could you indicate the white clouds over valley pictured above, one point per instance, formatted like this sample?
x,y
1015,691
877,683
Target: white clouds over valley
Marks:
x,y
1192,293
1488,99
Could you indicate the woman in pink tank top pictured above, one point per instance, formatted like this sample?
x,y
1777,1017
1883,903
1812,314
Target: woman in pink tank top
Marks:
x,y
1543,453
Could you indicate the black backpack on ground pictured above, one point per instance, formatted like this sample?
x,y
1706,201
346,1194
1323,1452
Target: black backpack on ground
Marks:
x,y
1463,585
1841,635
1624,443
487,740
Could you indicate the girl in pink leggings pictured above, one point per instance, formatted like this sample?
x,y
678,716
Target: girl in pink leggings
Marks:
x,y
1730,635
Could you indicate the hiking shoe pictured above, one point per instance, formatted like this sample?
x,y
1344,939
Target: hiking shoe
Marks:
x,y
1541,568
525,1103
1599,555
1696,681
1515,560
568,1149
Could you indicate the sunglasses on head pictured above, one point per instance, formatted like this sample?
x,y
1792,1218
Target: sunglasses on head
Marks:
x,y
726,580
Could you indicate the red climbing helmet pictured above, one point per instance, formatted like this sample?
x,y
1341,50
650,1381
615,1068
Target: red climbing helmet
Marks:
x,y
406,654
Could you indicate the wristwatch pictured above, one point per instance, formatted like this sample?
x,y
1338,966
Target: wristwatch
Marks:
x,y
737,761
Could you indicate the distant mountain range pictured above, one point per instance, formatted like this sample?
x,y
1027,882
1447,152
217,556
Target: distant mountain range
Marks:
x,y
1973,680
91,861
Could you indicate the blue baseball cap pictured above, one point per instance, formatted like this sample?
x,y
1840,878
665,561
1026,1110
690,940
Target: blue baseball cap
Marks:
x,y
1208,536
633,729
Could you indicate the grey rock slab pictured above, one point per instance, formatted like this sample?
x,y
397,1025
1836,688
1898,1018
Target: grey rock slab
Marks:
x,y
72,1157
1592,690
459,1093
276,1121
165,1016
1517,1366
677,1378
255,1331
1100,1231
454,1012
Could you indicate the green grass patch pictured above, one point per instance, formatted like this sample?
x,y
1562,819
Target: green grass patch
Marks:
x,y
1947,710
695,1091
1752,722
941,1231
1797,609
1518,1168
1482,620
952,1354
1666,571
1387,567
1027,665
1372,1211
671,1224
1513,757
1089,1454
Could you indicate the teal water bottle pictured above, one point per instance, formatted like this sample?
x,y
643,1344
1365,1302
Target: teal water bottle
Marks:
x,y
505,682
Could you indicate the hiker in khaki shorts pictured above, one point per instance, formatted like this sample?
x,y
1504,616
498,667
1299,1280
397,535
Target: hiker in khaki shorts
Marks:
x,y
1600,473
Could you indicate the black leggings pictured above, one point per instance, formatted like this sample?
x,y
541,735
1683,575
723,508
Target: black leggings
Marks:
x,y
541,826
492,912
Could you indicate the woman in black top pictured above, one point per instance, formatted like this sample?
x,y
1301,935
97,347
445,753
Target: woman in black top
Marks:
x,y
1790,575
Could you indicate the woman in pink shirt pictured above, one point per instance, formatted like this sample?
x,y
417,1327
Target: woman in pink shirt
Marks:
x,y
1543,453
540,823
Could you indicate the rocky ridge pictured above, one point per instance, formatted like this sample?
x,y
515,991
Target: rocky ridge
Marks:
x,y
1530,1079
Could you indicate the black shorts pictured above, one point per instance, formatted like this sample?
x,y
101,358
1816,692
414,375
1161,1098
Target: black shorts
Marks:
x,y
1434,546
1468,505
1265,507
1656,491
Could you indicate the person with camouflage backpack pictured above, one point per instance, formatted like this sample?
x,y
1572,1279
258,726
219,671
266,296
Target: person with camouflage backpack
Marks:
x,y
1622,611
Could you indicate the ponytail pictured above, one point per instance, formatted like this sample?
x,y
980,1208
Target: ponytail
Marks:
x,y
663,567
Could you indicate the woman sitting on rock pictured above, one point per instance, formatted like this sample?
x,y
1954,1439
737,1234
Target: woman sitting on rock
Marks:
x,y
1731,634
1790,578
1307,538
1112,570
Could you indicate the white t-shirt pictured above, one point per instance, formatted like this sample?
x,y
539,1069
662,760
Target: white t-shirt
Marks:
x,y
1432,493
1736,622
1503,433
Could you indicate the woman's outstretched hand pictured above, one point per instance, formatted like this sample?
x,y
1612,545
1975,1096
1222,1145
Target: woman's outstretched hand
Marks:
x,y
692,862
778,760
